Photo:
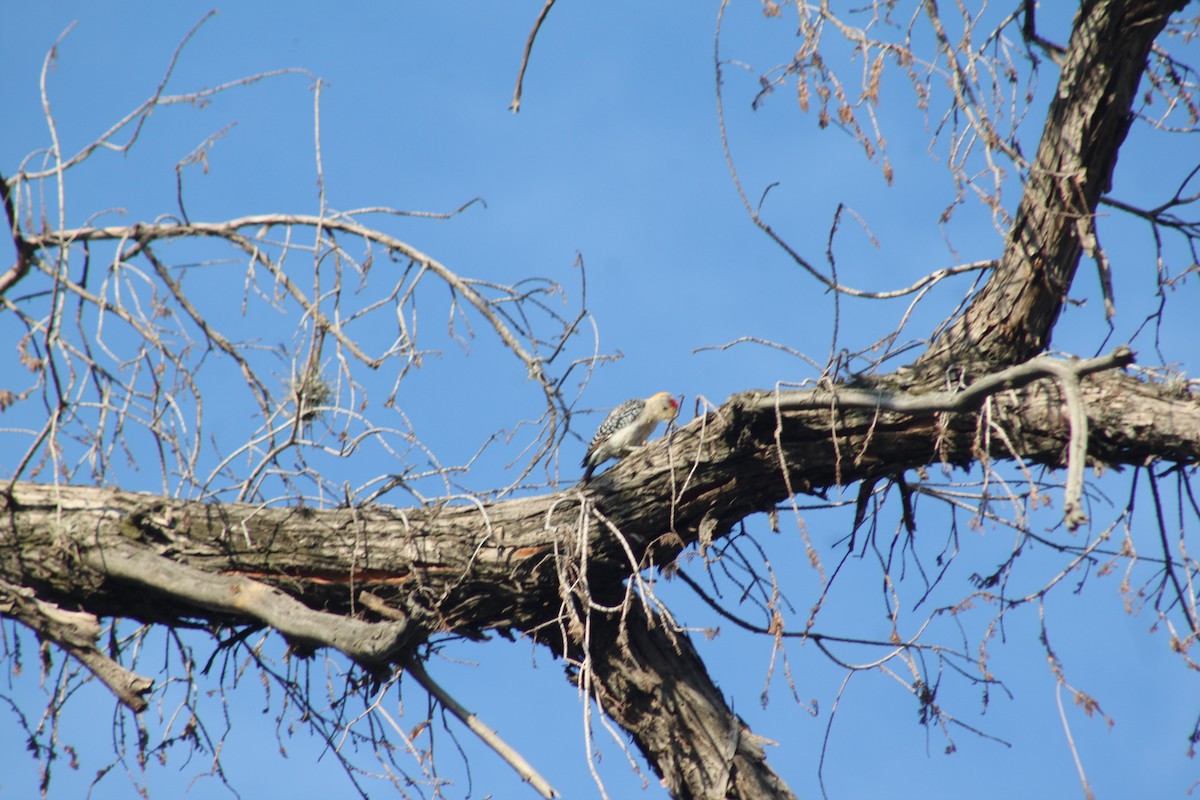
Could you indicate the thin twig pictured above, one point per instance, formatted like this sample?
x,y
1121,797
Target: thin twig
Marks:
x,y
489,736
515,105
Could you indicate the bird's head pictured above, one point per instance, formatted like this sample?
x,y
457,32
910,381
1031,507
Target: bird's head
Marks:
x,y
663,406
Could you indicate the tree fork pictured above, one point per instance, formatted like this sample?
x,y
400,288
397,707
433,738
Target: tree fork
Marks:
x,y
471,569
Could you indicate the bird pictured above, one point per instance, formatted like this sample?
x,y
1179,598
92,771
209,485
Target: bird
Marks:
x,y
627,427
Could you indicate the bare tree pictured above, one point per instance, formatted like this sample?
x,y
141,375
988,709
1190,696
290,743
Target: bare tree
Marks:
x,y
250,530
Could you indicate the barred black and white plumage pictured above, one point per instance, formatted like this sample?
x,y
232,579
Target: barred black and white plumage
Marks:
x,y
627,427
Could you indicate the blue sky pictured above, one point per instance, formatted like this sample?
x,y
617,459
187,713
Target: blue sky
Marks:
x,y
615,157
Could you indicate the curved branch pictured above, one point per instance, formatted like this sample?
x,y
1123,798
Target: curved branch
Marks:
x,y
26,252
515,105
505,751
231,231
968,398
366,642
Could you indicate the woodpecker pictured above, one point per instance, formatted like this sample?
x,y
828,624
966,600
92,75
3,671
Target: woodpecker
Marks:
x,y
627,427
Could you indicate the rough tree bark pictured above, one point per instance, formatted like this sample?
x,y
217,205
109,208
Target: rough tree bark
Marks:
x,y
515,565
1013,317
449,568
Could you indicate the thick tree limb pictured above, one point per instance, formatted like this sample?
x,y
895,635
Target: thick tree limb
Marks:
x,y
1012,317
652,681
469,569
1067,373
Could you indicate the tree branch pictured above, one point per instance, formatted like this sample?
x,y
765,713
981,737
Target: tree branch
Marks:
x,y
26,252
1067,373
652,681
968,398
77,633
1010,319
474,568
365,642
492,739
515,105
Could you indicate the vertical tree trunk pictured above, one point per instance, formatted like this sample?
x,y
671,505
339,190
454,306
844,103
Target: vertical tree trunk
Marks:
x,y
653,683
